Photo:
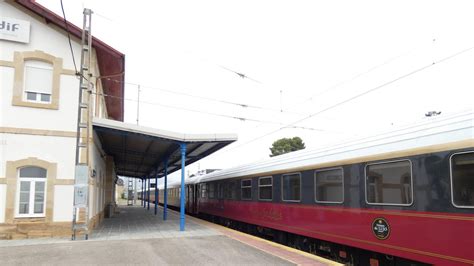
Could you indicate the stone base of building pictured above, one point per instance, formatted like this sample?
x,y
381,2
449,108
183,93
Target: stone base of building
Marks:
x,y
37,228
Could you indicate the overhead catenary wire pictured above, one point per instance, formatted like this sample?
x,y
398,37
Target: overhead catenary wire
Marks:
x,y
241,75
290,125
69,37
193,110
418,70
339,84
243,105
207,98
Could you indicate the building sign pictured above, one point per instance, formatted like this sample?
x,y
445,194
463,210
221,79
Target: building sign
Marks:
x,y
14,30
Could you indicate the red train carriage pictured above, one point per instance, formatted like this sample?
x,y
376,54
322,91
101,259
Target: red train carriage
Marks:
x,y
401,198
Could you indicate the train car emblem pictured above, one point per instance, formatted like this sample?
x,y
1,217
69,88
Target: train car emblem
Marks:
x,y
381,228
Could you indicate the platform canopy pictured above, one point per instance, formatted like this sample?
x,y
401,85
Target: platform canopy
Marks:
x,y
141,152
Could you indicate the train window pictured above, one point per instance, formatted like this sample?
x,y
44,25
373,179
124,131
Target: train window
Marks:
x,y
220,190
212,190
246,189
229,191
204,190
226,190
389,183
291,187
329,185
233,190
265,185
462,180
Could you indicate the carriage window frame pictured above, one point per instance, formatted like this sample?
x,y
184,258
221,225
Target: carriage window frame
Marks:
x,y
214,194
390,204
283,184
220,190
242,187
203,193
229,190
316,186
259,186
451,180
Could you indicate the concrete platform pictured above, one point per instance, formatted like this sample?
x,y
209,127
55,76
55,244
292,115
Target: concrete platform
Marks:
x,y
135,222
137,236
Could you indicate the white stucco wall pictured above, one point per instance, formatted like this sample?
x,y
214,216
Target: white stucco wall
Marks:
x,y
97,192
3,198
6,85
63,200
64,119
59,150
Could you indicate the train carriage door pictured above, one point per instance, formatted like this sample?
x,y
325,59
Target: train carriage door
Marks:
x,y
195,199
201,195
197,193
220,195
189,198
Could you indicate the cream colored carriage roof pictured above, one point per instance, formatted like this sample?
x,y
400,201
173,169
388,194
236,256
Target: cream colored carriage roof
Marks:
x,y
440,133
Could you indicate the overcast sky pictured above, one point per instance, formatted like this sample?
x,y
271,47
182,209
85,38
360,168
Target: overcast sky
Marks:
x,y
343,69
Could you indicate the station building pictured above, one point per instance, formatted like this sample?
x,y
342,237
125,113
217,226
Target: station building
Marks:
x,y
38,125
38,121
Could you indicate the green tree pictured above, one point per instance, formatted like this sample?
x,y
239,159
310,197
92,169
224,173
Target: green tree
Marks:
x,y
286,145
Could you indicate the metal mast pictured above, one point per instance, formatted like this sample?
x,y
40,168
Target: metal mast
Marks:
x,y
80,218
130,194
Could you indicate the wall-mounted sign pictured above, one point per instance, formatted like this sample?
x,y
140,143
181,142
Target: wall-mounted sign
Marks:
x,y
13,29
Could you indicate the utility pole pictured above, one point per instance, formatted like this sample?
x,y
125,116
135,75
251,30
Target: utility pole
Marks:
x,y
81,175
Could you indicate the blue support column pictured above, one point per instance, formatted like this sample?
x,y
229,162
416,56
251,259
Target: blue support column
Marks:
x,y
156,191
183,193
148,194
165,195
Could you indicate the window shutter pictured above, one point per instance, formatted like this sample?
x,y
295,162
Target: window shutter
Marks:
x,y
38,77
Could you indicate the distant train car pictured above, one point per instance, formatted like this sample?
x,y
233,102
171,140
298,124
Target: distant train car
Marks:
x,y
402,198
174,196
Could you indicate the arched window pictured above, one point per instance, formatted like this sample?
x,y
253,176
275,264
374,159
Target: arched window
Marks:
x,y
31,192
38,83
